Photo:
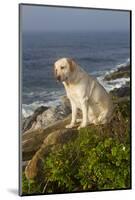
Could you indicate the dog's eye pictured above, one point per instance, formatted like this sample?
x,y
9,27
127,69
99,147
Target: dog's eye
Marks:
x,y
62,67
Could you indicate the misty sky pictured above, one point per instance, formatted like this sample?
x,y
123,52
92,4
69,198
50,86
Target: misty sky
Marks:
x,y
41,18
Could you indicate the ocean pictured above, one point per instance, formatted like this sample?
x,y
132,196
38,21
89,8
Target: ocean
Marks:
x,y
98,53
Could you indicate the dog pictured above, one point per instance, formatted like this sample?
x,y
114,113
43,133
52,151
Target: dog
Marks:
x,y
84,92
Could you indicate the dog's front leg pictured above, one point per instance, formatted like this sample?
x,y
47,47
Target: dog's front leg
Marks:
x,y
74,114
84,107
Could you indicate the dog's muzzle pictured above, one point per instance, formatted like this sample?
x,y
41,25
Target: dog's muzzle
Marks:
x,y
58,78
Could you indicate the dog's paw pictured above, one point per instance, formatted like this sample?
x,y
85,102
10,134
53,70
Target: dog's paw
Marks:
x,y
95,122
70,126
83,125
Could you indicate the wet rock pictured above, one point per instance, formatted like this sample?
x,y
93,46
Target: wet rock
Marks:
x,y
121,92
122,72
27,122
45,116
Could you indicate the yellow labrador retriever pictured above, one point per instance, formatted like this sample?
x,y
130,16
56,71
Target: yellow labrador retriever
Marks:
x,y
84,92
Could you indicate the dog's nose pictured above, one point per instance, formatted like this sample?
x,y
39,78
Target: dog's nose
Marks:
x,y
58,78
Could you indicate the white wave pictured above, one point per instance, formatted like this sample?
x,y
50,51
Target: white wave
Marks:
x,y
110,85
127,62
28,109
103,73
46,98
117,83
124,64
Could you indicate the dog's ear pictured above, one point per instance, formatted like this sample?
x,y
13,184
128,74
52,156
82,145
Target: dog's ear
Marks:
x,y
72,64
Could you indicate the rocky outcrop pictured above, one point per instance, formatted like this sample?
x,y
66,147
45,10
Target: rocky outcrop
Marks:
x,y
27,123
121,92
50,143
123,72
32,140
45,116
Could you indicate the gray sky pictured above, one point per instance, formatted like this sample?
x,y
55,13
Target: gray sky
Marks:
x,y
41,18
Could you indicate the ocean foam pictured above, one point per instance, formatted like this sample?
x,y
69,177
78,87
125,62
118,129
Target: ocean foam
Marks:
x,y
28,109
117,83
124,64
111,85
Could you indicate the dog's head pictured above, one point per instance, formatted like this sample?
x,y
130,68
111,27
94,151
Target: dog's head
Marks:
x,y
64,68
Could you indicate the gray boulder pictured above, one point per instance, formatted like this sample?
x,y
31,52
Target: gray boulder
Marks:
x,y
47,116
27,122
121,92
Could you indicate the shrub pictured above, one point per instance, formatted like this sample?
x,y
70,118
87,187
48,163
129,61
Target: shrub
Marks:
x,y
90,164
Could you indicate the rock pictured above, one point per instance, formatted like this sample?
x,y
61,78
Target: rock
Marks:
x,y
124,68
32,140
116,75
27,123
122,72
45,116
121,92
66,103
54,139
49,117
24,164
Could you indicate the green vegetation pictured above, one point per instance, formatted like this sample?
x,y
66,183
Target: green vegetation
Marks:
x,y
98,159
